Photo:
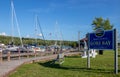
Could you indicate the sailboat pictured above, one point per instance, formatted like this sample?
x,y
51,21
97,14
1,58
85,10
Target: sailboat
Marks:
x,y
59,37
11,46
39,33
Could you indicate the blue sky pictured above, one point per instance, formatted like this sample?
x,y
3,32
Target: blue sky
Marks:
x,y
71,16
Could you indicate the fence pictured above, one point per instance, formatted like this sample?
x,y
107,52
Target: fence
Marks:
x,y
11,56
21,55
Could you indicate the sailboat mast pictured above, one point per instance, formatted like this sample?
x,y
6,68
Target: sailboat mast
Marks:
x,y
12,18
58,34
41,29
12,24
37,25
36,29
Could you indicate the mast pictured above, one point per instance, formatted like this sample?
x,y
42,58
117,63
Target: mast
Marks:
x,y
40,29
58,34
38,26
14,17
12,24
36,29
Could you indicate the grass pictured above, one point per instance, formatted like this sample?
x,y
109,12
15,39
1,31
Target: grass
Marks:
x,y
74,66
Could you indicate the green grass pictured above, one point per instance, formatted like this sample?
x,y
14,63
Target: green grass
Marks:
x,y
74,66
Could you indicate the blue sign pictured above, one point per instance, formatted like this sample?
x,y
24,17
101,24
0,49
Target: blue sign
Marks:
x,y
101,40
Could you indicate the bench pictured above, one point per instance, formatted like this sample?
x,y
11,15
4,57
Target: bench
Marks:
x,y
59,59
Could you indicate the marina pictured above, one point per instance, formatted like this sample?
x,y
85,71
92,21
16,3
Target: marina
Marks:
x,y
64,38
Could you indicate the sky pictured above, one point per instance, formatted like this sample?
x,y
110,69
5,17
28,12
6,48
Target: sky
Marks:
x,y
59,19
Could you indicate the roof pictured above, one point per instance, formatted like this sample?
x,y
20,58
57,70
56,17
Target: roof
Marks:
x,y
84,39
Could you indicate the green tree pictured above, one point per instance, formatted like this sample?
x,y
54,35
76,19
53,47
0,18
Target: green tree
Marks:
x,y
101,23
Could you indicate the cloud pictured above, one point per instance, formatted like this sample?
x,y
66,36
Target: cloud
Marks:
x,y
3,33
39,34
27,36
40,10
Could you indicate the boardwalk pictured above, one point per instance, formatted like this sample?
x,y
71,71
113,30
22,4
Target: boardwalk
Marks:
x,y
9,66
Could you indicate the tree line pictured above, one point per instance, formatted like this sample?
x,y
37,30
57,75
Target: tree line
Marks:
x,y
8,39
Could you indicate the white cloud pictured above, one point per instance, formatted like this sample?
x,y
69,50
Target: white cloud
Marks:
x,y
39,34
27,36
3,33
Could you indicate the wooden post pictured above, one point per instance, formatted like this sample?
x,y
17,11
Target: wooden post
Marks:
x,y
88,59
19,53
35,52
8,56
27,53
1,59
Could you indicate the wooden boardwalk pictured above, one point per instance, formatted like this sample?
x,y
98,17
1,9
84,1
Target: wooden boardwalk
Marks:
x,y
9,66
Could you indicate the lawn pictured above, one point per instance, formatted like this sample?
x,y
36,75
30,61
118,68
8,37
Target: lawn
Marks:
x,y
74,66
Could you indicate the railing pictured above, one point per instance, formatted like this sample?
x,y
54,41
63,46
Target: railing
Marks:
x,y
21,55
11,56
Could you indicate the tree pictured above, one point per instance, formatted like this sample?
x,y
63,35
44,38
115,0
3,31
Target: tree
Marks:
x,y
101,23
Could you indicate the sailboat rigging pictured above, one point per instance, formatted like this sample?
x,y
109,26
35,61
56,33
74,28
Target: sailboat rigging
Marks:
x,y
58,34
14,17
38,32
38,26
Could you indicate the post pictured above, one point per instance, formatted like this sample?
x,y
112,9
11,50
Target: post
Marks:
x,y
88,58
88,53
19,53
27,53
78,40
35,52
8,56
1,59
115,53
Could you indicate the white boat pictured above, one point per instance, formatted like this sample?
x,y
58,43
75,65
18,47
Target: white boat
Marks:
x,y
38,33
12,49
39,49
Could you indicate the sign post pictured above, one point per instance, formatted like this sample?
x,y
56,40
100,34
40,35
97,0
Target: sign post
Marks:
x,y
88,55
116,53
105,40
88,59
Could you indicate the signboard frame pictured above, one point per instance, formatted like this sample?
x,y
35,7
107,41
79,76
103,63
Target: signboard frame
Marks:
x,y
114,47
